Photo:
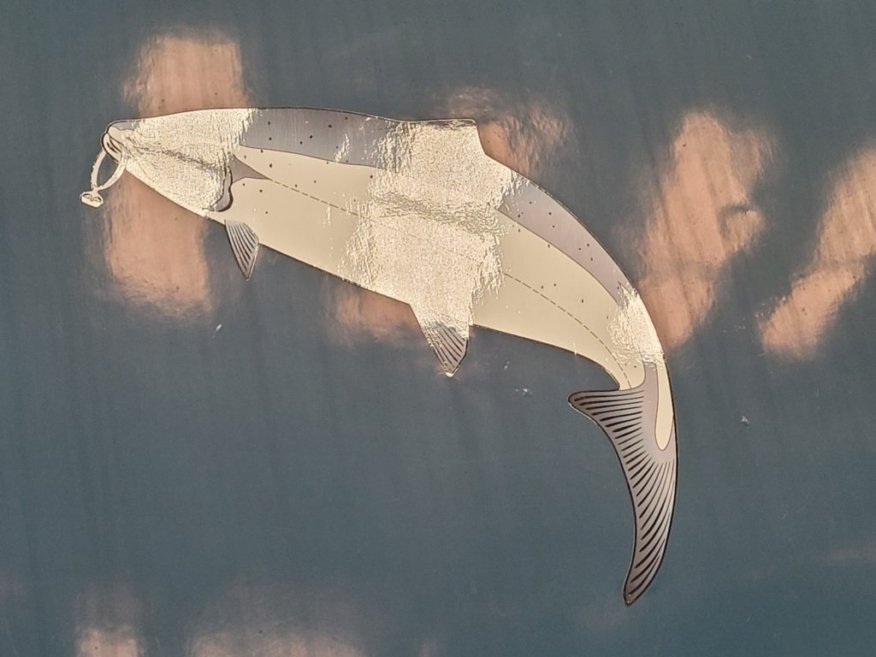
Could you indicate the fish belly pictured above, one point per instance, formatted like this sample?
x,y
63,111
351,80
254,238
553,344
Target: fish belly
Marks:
x,y
306,209
547,297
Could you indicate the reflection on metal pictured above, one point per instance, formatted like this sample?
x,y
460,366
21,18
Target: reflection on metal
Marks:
x,y
416,211
843,258
526,134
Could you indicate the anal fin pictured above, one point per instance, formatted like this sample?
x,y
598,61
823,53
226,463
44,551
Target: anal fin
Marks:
x,y
244,245
628,419
448,343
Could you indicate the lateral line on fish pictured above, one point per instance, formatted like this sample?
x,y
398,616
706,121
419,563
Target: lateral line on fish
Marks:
x,y
504,212
461,255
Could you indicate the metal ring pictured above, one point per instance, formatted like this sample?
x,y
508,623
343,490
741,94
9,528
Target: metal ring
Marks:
x,y
95,171
92,197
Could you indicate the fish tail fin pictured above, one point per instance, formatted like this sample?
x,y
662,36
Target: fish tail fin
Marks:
x,y
628,419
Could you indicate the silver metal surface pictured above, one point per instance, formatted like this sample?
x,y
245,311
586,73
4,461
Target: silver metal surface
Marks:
x,y
422,215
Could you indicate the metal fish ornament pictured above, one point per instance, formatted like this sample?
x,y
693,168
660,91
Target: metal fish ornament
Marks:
x,y
416,211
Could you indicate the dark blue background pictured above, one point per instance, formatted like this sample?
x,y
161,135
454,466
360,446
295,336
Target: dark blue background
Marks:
x,y
351,491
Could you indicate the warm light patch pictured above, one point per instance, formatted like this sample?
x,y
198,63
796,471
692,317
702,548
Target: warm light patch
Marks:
x,y
96,642
107,621
701,217
273,621
153,248
181,72
842,260
522,136
256,643
358,313
430,648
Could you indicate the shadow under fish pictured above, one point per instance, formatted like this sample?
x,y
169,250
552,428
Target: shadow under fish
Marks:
x,y
416,211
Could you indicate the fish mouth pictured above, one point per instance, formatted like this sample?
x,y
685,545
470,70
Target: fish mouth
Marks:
x,y
112,144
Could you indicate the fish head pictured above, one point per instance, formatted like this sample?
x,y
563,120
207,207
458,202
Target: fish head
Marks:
x,y
113,139
184,157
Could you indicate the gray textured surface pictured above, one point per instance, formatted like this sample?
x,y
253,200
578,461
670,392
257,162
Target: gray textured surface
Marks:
x,y
170,488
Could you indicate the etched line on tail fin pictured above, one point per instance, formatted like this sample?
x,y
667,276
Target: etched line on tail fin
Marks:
x,y
628,419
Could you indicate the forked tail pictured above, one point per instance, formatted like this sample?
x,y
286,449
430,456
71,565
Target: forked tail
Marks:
x,y
628,417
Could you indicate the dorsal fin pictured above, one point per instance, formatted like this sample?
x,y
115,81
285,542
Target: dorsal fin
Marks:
x,y
649,471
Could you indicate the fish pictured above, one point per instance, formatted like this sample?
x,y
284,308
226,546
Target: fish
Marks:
x,y
418,212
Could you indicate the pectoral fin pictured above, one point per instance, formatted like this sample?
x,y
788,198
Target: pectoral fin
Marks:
x,y
244,245
448,343
626,417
